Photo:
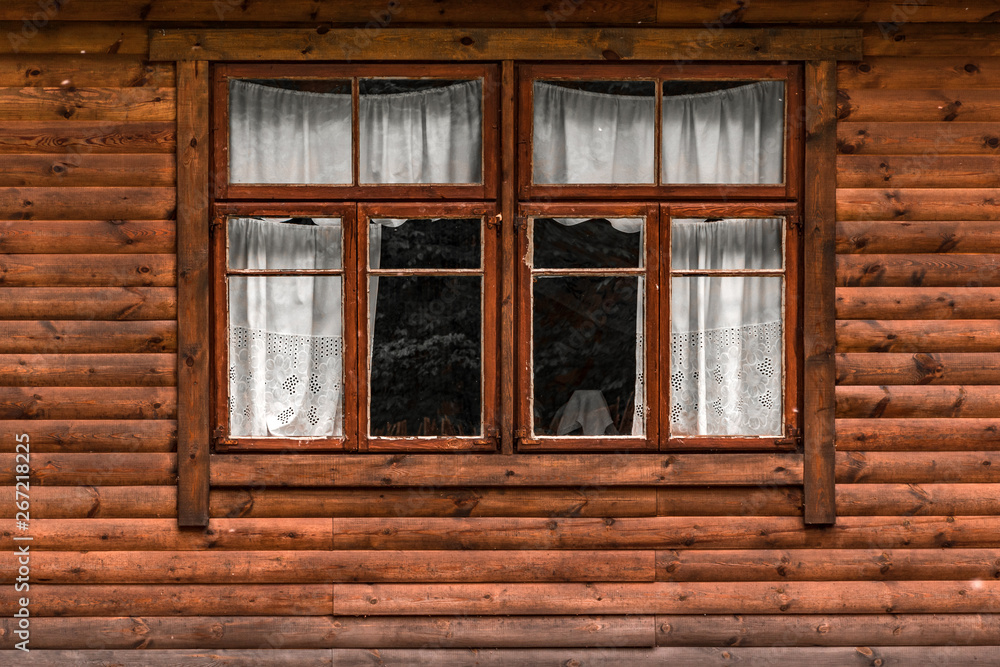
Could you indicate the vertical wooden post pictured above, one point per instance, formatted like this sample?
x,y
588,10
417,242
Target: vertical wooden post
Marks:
x,y
820,276
193,332
508,208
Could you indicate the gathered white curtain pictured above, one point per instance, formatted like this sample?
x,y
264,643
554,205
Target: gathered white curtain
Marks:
x,y
730,136
285,332
288,136
725,346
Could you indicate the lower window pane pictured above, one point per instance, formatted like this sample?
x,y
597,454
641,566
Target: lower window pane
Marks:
x,y
285,356
725,356
588,356
426,359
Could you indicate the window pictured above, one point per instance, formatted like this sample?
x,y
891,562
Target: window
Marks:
x,y
356,247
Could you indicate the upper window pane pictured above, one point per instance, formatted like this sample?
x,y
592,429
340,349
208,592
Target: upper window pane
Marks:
x,y
290,131
421,131
725,244
594,132
726,132
285,243
581,243
424,244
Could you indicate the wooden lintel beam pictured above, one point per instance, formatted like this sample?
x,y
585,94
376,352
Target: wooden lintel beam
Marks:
x,y
679,44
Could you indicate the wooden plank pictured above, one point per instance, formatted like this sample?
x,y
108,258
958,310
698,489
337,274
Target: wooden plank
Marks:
x,y
194,331
907,369
88,70
922,402
552,43
69,203
867,237
905,499
825,565
900,435
580,501
87,137
87,236
73,103
818,338
827,630
918,204
166,535
927,105
921,171
62,502
28,33
178,600
956,71
890,138
104,502
921,303
577,470
71,336
88,370
460,534
303,632
944,40
95,469
121,270
925,336
88,303
190,657
79,169
924,270
359,11
88,403
729,501
95,435
272,567
917,468
719,13
873,597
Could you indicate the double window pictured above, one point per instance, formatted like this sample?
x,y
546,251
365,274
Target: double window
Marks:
x,y
358,257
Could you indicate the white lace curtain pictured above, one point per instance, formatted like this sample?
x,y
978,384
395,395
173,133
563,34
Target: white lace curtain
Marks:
x,y
285,332
290,136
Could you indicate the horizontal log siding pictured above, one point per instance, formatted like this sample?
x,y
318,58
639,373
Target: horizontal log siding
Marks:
x,y
690,559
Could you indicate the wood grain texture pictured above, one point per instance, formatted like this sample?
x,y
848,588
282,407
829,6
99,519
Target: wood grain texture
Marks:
x,y
927,138
918,336
917,468
928,105
87,137
27,34
76,103
81,337
553,43
916,72
103,502
193,330
924,270
719,13
84,70
80,170
88,303
95,435
88,403
123,270
67,203
918,204
875,237
818,327
88,370
946,40
921,303
919,402
435,470
87,236
925,434
912,369
97,469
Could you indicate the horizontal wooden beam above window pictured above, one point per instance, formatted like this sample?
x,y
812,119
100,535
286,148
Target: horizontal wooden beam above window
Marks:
x,y
678,44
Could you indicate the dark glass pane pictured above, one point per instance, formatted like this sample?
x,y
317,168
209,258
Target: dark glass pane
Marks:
x,y
577,243
731,243
285,243
593,132
586,352
421,131
426,362
425,244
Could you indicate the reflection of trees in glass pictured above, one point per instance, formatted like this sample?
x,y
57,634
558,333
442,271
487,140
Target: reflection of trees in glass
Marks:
x,y
426,352
591,244
584,338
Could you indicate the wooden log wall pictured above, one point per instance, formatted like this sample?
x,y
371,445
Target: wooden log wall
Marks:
x,y
687,559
